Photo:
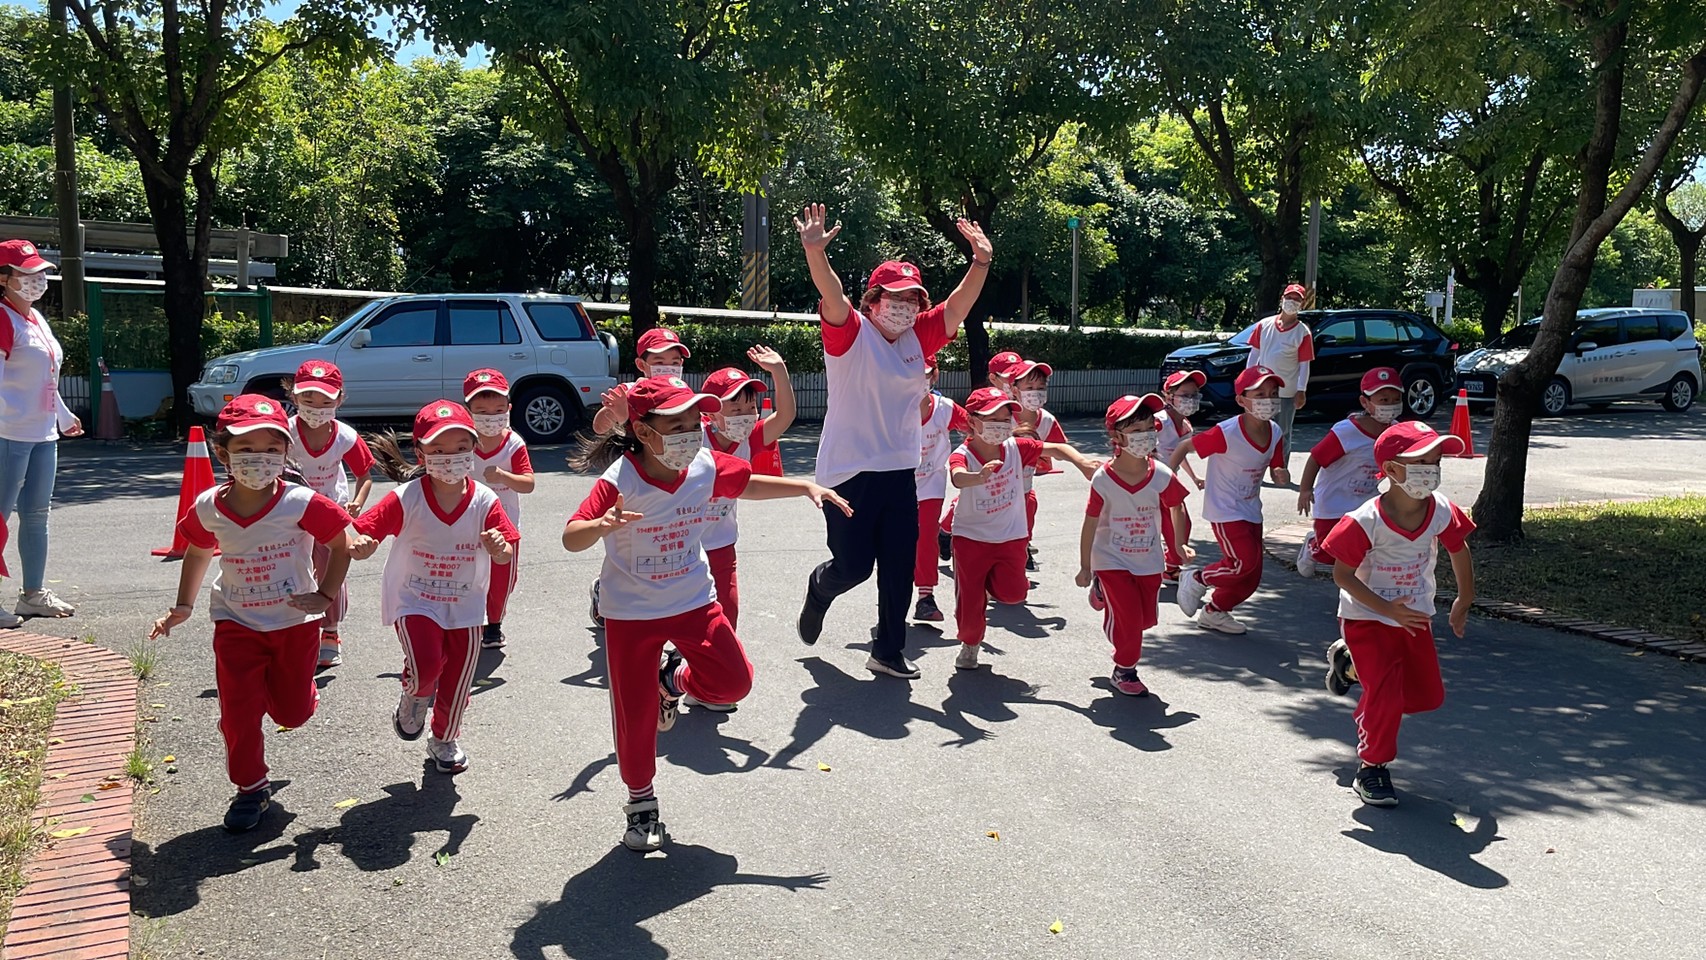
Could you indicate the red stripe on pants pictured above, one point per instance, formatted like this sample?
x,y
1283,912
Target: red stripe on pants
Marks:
x,y
924,573
1174,538
717,671
502,585
983,570
261,673
1322,529
1239,570
723,574
439,663
1132,601
339,609
1399,673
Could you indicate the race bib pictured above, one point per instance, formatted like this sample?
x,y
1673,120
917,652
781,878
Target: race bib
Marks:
x,y
255,580
660,550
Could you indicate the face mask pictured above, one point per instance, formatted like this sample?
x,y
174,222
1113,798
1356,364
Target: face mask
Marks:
x,y
739,428
1265,409
1187,405
316,416
1141,443
1289,307
449,467
257,471
1420,480
679,449
665,370
32,286
491,424
1033,399
1387,412
895,317
995,432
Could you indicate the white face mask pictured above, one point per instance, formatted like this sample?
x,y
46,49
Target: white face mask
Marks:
x,y
32,286
1290,307
257,471
316,416
1033,399
1387,412
1187,405
1420,479
491,424
1265,409
449,467
739,428
664,370
679,449
995,432
1141,443
895,317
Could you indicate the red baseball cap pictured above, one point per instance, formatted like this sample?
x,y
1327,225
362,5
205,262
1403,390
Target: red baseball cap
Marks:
x,y
896,276
484,380
1178,378
1378,379
1001,362
659,339
320,376
1253,377
251,412
1023,368
986,400
441,415
1412,438
667,395
929,363
1130,405
1295,291
22,256
725,383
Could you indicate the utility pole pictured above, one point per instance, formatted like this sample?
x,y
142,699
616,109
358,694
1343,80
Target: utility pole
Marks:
x,y
72,299
1314,258
755,249
1072,223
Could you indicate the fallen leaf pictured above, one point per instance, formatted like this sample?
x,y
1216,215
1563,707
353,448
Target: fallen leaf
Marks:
x,y
1551,850
1056,927
156,706
345,804
283,729
68,834
169,758
108,786
441,858
164,684
88,798
1461,823
57,776
823,766
993,834
248,863
55,741
1639,653
484,682
396,881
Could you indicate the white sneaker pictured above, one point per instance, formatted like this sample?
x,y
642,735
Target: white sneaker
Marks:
x,y
1305,557
1220,620
410,718
448,754
699,704
967,659
645,831
905,669
9,621
42,603
1191,591
592,608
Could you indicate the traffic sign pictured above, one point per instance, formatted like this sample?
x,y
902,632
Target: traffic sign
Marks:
x,y
1072,223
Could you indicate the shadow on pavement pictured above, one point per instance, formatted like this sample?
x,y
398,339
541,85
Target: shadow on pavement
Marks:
x,y
381,835
593,676
1134,721
697,742
176,869
486,664
600,914
881,708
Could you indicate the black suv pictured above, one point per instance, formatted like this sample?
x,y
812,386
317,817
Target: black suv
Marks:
x,y
1348,344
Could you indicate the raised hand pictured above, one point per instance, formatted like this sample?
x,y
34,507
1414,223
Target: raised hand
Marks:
x,y
616,401
767,359
981,249
615,518
810,224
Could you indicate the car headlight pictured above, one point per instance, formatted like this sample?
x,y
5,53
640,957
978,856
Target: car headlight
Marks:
x,y
1226,361
220,373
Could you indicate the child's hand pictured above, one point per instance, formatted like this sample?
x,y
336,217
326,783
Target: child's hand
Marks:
x,y
353,508
986,471
767,359
1201,483
1409,618
492,475
1460,614
362,547
615,518
181,614
616,401
823,495
312,604
1083,578
1305,500
494,542
1187,551
1089,467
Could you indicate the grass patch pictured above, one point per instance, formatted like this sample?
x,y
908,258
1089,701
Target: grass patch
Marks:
x,y
1630,564
144,657
29,692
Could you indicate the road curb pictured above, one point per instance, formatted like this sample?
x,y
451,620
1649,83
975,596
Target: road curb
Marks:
x,y
76,897
1281,544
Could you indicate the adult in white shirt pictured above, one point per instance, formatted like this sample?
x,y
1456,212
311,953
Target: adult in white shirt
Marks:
x,y
1284,344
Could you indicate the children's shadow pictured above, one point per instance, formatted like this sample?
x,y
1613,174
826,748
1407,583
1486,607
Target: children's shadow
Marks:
x,y
593,675
600,913
1021,620
176,869
487,664
697,742
381,835
1134,721
1432,834
881,708
986,695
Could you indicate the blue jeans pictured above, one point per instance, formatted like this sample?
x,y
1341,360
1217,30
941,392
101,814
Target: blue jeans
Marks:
x,y
26,485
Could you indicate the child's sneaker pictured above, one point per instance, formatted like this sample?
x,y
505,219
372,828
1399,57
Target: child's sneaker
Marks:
x,y
410,717
42,603
448,755
699,704
1191,591
1125,681
1374,785
1306,557
1031,560
645,831
331,649
492,638
1341,672
904,669
246,809
592,610
967,658
927,610
1098,600
1170,577
669,698
1220,620
944,545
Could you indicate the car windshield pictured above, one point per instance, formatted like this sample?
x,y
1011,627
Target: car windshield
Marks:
x,y
1520,337
1242,337
346,324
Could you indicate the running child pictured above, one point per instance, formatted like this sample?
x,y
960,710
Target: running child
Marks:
x,y
989,533
939,415
503,465
1237,451
1183,393
1121,550
1384,556
1340,474
659,478
450,532
1284,344
1029,386
324,447
267,602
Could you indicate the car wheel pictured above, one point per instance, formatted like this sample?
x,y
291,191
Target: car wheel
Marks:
x,y
543,414
1554,397
1421,396
1679,394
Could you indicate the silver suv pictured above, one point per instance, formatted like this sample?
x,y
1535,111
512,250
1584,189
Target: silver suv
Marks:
x,y
401,353
1614,353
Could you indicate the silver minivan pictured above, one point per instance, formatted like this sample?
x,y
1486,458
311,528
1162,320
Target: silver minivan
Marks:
x,y
1614,353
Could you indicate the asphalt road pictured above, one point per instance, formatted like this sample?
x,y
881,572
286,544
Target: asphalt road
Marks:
x,y
1551,809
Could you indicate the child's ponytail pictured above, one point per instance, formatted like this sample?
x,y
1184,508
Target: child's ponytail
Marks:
x,y
595,453
389,457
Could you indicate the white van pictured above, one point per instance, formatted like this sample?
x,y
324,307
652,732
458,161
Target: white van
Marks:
x,y
1614,353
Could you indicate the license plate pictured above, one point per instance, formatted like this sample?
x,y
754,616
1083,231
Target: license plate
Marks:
x,y
1475,386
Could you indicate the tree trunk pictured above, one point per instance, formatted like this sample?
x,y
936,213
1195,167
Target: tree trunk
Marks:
x,y
1496,297
643,269
1690,255
1025,293
185,298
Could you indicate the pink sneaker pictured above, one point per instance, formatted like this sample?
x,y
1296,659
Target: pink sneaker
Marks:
x,y
1098,601
1125,681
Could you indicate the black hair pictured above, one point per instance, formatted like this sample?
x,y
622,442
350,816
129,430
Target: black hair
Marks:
x,y
595,452
389,457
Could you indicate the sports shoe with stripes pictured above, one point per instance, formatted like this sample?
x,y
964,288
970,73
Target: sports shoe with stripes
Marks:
x,y
669,698
448,755
409,719
645,831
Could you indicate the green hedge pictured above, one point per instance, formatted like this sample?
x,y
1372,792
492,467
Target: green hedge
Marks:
x,y
139,342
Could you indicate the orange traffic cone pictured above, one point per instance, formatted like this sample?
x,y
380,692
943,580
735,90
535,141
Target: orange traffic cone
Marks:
x,y
1460,427
198,477
108,424
767,463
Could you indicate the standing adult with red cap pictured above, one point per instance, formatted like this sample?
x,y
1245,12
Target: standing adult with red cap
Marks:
x,y
32,418
1284,344
872,437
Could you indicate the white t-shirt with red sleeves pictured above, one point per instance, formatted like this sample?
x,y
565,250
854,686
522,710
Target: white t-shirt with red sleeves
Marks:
x,y
1128,519
323,469
1396,564
1282,351
438,568
510,455
722,526
871,421
31,410
994,511
1048,431
266,559
931,477
1234,464
655,567
1348,474
1170,435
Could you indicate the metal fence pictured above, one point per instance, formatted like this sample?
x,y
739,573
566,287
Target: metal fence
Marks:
x,y
1079,392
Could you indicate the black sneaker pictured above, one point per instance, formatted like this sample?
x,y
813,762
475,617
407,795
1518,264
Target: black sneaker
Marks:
x,y
1374,786
1341,673
1031,563
810,623
944,545
669,698
246,809
493,637
645,831
927,610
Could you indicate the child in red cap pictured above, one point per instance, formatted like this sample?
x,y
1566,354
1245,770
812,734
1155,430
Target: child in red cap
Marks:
x,y
989,533
1183,393
1121,549
1238,451
325,447
270,595
659,478
501,463
1341,473
939,415
1384,556
450,532
1284,344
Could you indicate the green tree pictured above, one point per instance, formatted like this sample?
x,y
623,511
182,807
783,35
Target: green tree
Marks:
x,y
1679,205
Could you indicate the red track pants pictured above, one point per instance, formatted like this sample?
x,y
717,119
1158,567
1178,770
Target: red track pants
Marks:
x,y
924,573
439,663
1322,528
261,673
984,570
1399,673
340,604
722,561
1238,572
1132,601
1174,538
502,585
